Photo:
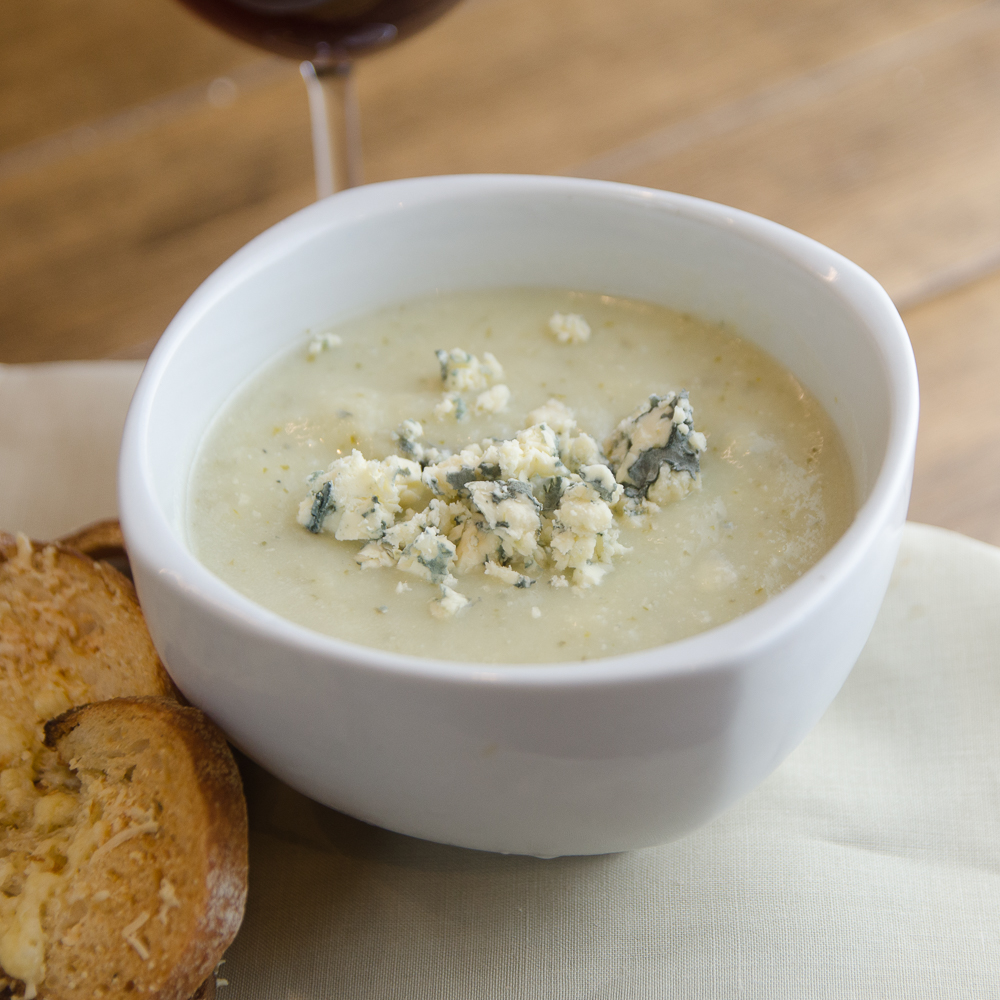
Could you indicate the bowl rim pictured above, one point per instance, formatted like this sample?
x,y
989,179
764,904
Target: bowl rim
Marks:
x,y
708,651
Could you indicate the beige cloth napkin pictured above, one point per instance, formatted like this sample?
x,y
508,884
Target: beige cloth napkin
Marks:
x,y
867,865
60,426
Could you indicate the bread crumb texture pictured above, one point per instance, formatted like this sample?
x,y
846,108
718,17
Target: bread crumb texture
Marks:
x,y
122,822
71,632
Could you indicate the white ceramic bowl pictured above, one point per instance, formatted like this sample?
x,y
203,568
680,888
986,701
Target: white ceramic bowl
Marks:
x,y
572,758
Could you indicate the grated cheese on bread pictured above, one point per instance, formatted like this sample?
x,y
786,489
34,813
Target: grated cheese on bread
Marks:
x,y
71,632
123,835
155,880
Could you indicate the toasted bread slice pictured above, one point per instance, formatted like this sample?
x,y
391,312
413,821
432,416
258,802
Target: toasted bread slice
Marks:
x,y
71,632
102,540
129,876
142,793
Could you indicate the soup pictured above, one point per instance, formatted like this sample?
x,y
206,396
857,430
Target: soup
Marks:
x,y
518,476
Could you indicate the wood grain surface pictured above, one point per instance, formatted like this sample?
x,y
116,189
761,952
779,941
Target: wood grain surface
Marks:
x,y
140,147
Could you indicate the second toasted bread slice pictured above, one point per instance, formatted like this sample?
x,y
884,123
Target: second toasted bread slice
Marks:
x,y
130,872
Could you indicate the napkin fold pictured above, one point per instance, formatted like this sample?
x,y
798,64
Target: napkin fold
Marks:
x,y
867,865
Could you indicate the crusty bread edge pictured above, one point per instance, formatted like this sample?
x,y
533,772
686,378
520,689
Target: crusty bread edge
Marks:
x,y
226,833
97,540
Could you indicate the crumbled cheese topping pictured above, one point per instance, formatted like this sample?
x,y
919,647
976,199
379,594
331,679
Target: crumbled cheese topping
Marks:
x,y
449,603
452,405
464,372
569,328
655,451
322,343
360,499
408,436
493,400
547,500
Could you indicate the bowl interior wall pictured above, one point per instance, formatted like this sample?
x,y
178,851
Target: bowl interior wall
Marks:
x,y
330,262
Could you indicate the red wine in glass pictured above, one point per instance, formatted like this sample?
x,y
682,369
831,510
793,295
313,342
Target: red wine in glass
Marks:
x,y
328,35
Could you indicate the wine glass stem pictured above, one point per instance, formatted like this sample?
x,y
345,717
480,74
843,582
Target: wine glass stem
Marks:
x,y
336,132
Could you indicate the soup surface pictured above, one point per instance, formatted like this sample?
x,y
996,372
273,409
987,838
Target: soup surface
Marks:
x,y
773,493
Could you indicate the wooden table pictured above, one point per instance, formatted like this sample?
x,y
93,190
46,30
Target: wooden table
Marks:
x,y
139,148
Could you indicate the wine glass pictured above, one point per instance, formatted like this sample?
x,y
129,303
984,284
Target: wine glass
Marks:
x,y
328,35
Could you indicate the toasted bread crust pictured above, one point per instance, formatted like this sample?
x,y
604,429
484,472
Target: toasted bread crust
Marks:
x,y
103,541
97,540
202,821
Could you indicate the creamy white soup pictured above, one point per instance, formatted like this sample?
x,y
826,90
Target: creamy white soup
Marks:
x,y
518,476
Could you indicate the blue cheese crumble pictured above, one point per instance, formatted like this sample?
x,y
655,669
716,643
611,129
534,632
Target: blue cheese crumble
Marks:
x,y
357,499
462,372
547,503
655,451
493,400
322,343
569,328
452,405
